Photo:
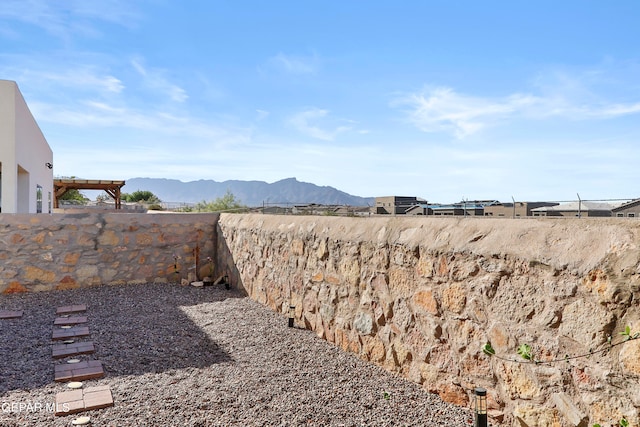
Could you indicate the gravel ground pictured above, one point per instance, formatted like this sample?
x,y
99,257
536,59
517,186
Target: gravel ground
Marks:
x,y
183,356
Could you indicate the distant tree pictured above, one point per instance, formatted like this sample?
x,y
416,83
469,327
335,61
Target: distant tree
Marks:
x,y
74,195
140,196
226,203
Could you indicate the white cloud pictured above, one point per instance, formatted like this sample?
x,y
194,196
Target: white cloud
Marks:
x,y
49,74
441,109
65,19
89,115
615,110
154,79
306,122
85,77
262,114
296,64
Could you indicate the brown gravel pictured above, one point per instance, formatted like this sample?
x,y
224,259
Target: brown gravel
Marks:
x,y
183,356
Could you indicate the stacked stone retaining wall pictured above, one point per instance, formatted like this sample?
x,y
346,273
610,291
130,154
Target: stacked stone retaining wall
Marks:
x,y
64,251
418,296
422,296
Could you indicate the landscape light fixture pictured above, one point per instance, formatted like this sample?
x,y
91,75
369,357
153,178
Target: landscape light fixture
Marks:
x,y
49,165
292,313
481,407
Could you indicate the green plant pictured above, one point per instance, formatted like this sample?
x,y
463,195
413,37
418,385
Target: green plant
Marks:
x,y
488,349
627,334
386,395
622,423
526,353
524,350
143,196
226,203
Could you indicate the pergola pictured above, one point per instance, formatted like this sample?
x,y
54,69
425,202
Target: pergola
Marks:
x,y
112,188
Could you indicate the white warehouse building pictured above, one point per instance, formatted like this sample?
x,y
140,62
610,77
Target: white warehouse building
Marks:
x,y
26,160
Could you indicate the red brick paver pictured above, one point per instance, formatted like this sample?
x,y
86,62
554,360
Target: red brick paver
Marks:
x,y
79,371
68,309
73,320
10,314
74,401
74,332
64,350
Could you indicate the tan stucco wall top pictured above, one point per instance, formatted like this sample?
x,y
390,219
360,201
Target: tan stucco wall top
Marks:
x,y
579,244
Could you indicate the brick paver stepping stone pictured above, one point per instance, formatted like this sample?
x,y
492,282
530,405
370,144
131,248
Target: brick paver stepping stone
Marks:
x,y
10,314
73,332
72,320
81,371
63,350
80,400
68,309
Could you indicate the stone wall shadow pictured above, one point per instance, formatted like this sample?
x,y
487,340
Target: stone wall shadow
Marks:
x,y
225,263
136,329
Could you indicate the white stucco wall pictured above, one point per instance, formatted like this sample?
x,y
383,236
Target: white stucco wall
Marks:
x,y
24,154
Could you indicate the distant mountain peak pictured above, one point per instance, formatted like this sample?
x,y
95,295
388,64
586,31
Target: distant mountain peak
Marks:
x,y
250,193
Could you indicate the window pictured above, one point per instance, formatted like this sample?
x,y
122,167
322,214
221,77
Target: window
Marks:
x,y
49,201
619,214
38,199
631,215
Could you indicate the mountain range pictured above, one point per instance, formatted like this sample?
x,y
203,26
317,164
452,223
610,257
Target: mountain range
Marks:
x,y
249,193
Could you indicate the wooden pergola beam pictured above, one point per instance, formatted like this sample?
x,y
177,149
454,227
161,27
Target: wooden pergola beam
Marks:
x,y
112,188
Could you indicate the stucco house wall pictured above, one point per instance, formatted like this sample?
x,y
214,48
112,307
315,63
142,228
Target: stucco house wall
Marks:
x,y
25,156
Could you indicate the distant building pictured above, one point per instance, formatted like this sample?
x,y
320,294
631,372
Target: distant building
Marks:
x,y
463,208
26,160
396,205
352,211
628,210
514,210
575,209
419,209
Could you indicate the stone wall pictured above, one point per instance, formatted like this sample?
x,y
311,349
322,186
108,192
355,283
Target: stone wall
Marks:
x,y
421,296
63,251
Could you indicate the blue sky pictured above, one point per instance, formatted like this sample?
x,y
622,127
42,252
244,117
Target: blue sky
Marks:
x,y
441,100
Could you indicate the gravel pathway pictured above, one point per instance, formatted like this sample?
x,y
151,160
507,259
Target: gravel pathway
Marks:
x,y
183,356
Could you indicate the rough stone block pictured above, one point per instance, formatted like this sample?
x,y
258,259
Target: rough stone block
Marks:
x,y
71,258
586,323
569,410
36,274
14,287
67,282
144,239
363,323
454,298
425,300
452,393
519,381
536,416
630,357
